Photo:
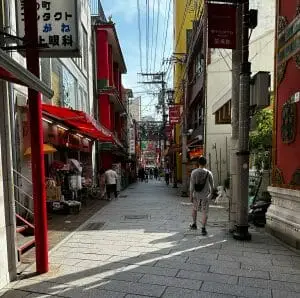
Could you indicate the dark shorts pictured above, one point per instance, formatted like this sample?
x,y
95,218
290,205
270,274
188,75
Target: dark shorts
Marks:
x,y
111,188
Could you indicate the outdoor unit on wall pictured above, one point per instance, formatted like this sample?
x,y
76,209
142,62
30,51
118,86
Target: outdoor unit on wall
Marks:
x,y
260,90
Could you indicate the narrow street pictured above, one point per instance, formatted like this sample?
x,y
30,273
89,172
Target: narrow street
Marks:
x,y
140,246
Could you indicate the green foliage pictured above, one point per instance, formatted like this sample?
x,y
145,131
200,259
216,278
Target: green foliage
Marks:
x,y
260,140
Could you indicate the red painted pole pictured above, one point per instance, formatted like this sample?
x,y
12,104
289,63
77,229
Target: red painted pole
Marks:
x,y
36,132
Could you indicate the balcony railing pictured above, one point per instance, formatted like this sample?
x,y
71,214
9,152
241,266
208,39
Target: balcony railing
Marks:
x,y
96,9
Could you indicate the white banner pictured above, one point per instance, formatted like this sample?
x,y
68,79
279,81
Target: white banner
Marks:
x,y
58,27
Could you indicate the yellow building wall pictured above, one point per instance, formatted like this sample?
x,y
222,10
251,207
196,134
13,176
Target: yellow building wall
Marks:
x,y
185,12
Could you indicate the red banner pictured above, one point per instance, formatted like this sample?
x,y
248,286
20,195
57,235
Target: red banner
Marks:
x,y
221,26
174,114
168,131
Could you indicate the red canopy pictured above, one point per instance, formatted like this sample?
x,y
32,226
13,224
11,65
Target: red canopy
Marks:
x,y
80,121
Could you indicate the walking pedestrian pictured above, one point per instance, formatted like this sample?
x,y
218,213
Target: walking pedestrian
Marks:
x,y
102,183
155,173
167,175
111,178
201,192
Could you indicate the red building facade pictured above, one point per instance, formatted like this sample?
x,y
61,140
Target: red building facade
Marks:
x,y
111,101
283,217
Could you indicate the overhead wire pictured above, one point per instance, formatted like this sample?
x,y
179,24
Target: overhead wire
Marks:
x,y
152,33
166,30
140,34
147,35
156,36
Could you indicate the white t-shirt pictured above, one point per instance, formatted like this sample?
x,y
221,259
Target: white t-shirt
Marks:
x,y
111,177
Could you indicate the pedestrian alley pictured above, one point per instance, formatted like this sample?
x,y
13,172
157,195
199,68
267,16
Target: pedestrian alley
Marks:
x,y
140,246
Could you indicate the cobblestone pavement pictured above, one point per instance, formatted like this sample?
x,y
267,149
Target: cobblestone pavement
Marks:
x,y
140,246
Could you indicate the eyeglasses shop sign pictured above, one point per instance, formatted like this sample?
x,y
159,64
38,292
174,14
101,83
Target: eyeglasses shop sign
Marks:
x,y
58,27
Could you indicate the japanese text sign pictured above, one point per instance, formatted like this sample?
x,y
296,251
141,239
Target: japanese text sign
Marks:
x,y
174,114
58,27
221,26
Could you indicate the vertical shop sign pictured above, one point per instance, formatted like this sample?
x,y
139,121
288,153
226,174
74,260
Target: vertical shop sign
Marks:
x,y
131,141
174,114
58,29
221,26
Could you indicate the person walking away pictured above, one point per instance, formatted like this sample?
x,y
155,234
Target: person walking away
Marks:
x,y
102,183
201,192
156,173
111,178
167,175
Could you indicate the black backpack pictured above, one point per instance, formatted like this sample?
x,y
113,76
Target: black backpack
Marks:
x,y
199,186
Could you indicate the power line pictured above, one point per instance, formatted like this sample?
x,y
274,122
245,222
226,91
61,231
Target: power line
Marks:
x,y
153,23
147,35
158,11
140,34
166,31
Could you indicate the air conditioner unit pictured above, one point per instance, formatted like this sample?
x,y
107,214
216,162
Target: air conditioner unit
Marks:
x,y
260,90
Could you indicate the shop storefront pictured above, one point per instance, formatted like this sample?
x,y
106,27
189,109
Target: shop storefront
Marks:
x,y
11,71
69,137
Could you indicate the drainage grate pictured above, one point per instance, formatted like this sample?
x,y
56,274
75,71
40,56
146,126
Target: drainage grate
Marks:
x,y
144,216
123,196
93,226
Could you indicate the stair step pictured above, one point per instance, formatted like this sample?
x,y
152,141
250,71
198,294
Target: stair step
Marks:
x,y
25,247
25,221
21,229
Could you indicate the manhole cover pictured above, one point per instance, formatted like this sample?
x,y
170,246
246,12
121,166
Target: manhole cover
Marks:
x,y
93,226
123,196
145,216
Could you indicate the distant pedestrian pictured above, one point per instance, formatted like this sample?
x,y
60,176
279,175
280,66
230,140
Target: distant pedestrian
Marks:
x,y
201,192
167,175
111,178
102,183
156,173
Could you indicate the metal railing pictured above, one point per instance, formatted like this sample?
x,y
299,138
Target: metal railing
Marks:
x,y
20,190
96,9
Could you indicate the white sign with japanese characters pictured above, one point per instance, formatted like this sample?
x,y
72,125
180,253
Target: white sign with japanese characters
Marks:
x,y
58,29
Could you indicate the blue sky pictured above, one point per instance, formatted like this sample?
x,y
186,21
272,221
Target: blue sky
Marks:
x,y
125,14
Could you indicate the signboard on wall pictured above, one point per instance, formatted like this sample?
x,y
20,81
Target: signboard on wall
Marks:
x,y
58,27
221,26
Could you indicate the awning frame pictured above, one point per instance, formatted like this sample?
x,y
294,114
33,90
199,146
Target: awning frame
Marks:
x,y
23,76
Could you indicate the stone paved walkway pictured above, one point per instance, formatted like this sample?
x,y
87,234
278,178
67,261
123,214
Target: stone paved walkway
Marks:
x,y
139,246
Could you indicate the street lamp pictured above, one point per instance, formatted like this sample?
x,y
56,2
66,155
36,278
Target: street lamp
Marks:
x,y
171,101
170,96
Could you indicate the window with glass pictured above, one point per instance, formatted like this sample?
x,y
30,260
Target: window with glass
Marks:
x,y
85,49
198,64
69,89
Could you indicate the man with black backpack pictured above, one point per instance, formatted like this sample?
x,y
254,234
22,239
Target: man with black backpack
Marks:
x,y
201,192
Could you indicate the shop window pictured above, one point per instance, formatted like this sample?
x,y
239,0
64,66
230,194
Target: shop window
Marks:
x,y
69,89
198,64
85,49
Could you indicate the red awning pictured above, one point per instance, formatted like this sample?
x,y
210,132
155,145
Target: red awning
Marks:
x,y
80,121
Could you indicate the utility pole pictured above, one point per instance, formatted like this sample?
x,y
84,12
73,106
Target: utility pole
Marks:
x,y
184,192
235,98
242,232
161,80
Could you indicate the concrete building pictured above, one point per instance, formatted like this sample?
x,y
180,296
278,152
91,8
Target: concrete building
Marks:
x,y
135,108
219,78
12,70
186,17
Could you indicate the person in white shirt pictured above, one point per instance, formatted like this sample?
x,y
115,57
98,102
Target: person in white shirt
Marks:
x,y
201,192
111,178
